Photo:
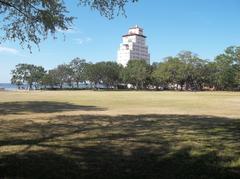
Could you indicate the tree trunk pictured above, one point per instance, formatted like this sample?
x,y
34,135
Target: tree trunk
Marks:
x,y
181,87
137,86
142,85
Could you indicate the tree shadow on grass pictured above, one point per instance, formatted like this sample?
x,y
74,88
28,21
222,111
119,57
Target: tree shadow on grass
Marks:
x,y
129,146
106,162
42,107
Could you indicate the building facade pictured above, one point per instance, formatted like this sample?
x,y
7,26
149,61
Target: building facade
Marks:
x,y
133,47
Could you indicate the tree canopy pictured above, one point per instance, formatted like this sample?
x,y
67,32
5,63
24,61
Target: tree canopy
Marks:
x,y
30,21
136,72
27,73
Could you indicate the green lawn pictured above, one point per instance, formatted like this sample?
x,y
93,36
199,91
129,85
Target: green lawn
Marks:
x,y
87,134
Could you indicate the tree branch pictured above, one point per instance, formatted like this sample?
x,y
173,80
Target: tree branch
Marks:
x,y
12,6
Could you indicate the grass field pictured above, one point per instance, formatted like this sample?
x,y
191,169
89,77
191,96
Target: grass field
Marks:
x,y
89,134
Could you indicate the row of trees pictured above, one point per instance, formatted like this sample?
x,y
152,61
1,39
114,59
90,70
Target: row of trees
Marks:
x,y
186,71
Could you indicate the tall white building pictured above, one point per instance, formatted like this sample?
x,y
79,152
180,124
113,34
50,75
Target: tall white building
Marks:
x,y
133,47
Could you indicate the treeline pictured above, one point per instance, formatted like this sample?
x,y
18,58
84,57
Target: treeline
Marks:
x,y
186,71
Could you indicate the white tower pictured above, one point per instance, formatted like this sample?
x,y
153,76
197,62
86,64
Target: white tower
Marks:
x,y
133,47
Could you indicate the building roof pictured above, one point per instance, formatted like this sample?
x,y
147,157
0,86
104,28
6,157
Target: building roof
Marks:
x,y
134,34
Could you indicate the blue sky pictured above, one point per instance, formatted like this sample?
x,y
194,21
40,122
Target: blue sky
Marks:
x,y
205,27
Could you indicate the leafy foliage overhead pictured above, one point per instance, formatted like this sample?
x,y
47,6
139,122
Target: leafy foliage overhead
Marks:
x,y
30,21
107,8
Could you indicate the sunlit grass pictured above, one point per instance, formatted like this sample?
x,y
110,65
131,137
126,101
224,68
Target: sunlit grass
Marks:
x,y
196,103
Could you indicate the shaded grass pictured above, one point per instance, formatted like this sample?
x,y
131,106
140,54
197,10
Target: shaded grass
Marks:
x,y
122,146
23,107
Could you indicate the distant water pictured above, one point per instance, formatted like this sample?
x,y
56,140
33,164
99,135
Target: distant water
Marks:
x,y
12,87
8,86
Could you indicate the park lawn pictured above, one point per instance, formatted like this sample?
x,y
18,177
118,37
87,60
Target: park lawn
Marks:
x,y
225,104
100,134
